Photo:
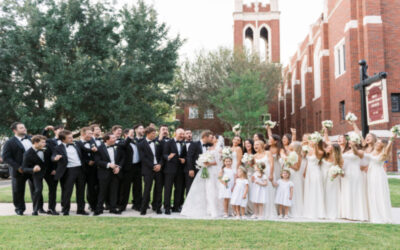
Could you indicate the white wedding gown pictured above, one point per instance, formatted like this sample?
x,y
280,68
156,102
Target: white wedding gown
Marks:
x,y
270,211
314,202
202,200
380,206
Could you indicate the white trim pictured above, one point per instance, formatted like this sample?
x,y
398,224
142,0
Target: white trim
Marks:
x,y
257,16
292,89
340,69
297,82
317,69
304,71
309,70
372,20
323,53
334,9
353,24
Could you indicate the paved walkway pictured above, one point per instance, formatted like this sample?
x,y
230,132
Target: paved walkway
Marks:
x,y
7,209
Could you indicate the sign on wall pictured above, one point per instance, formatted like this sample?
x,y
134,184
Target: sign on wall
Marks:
x,y
377,103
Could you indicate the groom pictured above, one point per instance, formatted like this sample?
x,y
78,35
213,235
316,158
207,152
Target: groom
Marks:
x,y
196,149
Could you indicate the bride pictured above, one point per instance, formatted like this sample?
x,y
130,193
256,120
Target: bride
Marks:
x,y
202,199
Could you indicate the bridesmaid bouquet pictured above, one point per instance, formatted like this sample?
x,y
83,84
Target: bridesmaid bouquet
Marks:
x,y
354,137
305,149
226,152
270,123
315,137
351,117
396,130
247,158
327,124
237,128
334,171
226,180
204,158
291,159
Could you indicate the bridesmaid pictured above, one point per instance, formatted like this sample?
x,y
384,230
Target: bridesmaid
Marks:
x,y
237,152
265,157
380,207
314,202
332,186
353,198
275,147
287,139
259,137
249,149
297,178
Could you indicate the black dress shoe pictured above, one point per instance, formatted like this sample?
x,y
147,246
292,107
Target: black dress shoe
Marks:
x,y
97,213
176,210
136,209
82,212
159,211
115,211
167,211
52,212
35,213
42,211
66,213
142,212
19,213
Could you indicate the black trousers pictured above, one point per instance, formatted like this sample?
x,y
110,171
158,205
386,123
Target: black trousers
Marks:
x,y
18,183
131,177
92,186
52,185
73,176
108,186
37,192
157,195
173,180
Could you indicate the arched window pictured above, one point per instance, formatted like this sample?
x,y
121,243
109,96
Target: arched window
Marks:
x,y
317,70
249,40
264,45
304,69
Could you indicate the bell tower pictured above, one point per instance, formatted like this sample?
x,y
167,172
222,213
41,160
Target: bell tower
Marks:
x,y
257,28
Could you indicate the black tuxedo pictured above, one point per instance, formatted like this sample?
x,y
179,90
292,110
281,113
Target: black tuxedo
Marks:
x,y
173,172
70,177
31,159
91,181
193,153
13,153
51,145
147,160
108,181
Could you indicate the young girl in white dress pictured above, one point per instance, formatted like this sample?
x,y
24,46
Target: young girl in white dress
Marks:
x,y
284,194
259,195
380,206
227,179
239,193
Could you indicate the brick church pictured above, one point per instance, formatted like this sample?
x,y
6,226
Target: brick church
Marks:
x,y
320,77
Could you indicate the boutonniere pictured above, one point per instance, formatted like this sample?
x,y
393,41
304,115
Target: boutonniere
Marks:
x,y
135,141
184,144
157,143
115,147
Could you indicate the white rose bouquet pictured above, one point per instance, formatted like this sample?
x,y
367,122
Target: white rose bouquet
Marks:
x,y
354,137
271,124
305,149
327,124
236,128
334,171
226,180
351,117
226,152
291,159
246,159
315,137
204,158
396,130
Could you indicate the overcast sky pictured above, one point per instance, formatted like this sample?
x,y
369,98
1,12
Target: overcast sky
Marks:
x,y
208,24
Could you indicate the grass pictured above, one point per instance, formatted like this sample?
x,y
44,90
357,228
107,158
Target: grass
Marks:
x,y
394,185
133,233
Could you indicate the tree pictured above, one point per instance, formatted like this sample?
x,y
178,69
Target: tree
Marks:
x,y
237,86
85,63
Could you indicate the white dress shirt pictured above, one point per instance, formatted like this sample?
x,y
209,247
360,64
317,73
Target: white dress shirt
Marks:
x,y
26,143
111,154
179,146
187,146
40,154
73,157
153,149
135,158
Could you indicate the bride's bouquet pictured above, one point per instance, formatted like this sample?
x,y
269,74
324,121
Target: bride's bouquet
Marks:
x,y
291,159
226,180
354,137
334,171
204,158
226,153
396,130
351,117
315,137
271,124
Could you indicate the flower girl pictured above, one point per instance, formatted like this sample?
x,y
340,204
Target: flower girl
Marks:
x,y
258,195
240,191
284,193
227,179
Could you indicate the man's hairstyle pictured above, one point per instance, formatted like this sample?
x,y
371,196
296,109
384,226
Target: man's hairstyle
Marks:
x,y
63,134
84,130
126,131
137,126
93,126
38,138
107,136
15,125
206,133
115,127
60,126
163,126
149,130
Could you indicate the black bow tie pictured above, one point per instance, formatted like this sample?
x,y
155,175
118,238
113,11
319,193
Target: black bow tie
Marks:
x,y
24,138
180,142
110,146
70,144
40,150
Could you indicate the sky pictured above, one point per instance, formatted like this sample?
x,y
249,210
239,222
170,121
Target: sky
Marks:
x,y
208,24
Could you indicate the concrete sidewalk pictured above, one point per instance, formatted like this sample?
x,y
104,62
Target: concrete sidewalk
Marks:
x,y
7,209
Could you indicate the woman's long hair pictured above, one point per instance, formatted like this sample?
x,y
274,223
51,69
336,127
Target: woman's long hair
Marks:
x,y
252,146
337,153
278,144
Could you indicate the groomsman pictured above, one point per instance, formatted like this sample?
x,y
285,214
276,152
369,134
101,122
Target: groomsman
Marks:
x,y
188,142
87,146
96,134
117,132
139,132
174,154
69,171
137,172
13,153
196,149
107,173
151,159
163,137
51,144
35,165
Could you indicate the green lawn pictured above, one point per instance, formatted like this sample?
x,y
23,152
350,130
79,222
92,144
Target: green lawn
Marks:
x,y
6,196
133,233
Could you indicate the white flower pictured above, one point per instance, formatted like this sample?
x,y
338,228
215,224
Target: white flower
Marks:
x,y
396,130
354,137
351,117
291,159
236,128
226,152
271,124
246,158
305,148
225,179
334,171
315,137
327,124
203,158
